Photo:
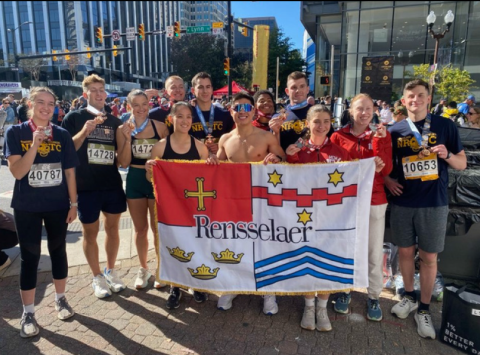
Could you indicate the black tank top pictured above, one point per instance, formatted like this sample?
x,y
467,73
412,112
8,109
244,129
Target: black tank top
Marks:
x,y
192,154
142,147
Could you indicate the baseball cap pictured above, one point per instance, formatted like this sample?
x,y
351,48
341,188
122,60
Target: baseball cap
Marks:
x,y
471,97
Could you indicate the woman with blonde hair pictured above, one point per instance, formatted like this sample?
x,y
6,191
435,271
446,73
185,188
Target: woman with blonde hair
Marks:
x,y
473,118
42,158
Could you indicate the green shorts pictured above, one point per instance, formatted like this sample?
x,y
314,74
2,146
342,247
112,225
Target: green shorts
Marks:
x,y
137,184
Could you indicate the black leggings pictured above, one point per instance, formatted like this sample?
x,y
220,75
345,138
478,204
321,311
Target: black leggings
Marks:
x,y
29,231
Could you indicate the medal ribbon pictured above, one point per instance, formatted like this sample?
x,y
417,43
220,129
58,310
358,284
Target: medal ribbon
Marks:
x,y
422,139
261,114
33,127
137,130
208,129
298,106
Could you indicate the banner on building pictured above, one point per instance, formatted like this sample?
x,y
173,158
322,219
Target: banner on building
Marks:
x,y
261,36
254,228
377,75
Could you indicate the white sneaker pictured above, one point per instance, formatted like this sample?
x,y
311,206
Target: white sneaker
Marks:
x,y
424,325
308,319
113,281
403,308
159,285
225,302
143,276
270,306
6,264
323,322
100,287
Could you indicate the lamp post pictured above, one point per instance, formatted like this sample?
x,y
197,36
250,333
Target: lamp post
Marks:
x,y
405,62
15,57
449,17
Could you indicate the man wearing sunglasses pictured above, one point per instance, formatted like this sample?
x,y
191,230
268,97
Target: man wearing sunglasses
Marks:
x,y
245,144
290,126
209,121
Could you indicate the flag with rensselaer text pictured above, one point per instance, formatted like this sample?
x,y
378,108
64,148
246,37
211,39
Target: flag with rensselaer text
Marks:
x,y
254,228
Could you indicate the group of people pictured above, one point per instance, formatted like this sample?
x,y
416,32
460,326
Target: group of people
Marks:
x,y
465,114
62,171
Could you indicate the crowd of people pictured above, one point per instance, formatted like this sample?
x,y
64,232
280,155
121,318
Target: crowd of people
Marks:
x,y
71,168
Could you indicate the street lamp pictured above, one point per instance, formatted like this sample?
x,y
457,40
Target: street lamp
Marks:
x,y
405,62
449,17
15,57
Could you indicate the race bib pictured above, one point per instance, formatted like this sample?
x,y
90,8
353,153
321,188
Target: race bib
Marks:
x,y
45,175
142,148
425,168
100,154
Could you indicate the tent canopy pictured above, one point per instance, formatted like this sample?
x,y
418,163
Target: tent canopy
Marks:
x,y
235,89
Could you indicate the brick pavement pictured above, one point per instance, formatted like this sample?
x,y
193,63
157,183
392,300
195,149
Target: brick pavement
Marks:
x,y
137,322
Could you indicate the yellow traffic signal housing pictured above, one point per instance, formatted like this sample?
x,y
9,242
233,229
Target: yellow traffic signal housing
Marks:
x,y
245,30
89,55
54,58
67,57
226,66
99,35
141,32
176,29
115,52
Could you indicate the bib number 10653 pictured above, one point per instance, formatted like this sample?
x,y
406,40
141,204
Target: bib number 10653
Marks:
x,y
415,167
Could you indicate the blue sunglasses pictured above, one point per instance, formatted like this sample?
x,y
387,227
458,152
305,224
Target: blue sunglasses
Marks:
x,y
245,107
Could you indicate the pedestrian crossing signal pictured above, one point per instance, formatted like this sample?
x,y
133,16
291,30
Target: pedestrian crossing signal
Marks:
x,y
325,80
99,34
226,66
176,29
141,32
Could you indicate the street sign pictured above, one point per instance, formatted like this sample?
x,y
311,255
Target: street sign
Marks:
x,y
130,33
198,29
218,25
14,69
156,32
116,35
170,31
217,31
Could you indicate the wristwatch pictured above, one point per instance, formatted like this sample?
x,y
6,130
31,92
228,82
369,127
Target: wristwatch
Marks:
x,y
74,204
448,155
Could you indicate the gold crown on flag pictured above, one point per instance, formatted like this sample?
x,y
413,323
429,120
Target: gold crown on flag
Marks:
x,y
203,272
179,254
226,257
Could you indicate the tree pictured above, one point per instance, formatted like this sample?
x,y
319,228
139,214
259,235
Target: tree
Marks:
x,y
241,71
451,83
199,52
73,63
32,66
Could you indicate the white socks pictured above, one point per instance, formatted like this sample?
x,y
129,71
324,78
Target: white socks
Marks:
x,y
58,296
29,309
322,303
310,302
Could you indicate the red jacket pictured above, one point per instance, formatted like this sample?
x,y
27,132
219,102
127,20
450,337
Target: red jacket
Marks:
x,y
329,153
367,147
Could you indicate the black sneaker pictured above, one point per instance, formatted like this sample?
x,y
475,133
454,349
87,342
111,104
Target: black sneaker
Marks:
x,y
200,297
174,298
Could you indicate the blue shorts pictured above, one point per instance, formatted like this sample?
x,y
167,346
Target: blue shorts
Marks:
x,y
90,203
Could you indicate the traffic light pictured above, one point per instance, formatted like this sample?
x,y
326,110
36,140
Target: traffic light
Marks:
x,y
115,52
141,32
99,34
325,80
89,55
67,57
54,58
176,29
226,66
245,30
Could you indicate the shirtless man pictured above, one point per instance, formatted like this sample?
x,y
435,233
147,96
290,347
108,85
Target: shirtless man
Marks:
x,y
247,143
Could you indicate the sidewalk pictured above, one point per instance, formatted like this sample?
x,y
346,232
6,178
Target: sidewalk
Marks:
x,y
137,322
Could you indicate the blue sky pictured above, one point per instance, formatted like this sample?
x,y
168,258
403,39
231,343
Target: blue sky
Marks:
x,y
287,14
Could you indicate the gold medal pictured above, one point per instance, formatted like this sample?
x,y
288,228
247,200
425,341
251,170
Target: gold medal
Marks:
x,y
425,152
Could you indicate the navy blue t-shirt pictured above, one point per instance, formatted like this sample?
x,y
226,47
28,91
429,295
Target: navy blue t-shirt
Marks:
x,y
293,127
34,192
222,123
160,114
418,193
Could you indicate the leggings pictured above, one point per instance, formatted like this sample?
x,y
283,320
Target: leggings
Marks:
x,y
29,231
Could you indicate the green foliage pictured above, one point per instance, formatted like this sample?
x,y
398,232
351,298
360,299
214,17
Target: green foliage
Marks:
x,y
451,83
241,72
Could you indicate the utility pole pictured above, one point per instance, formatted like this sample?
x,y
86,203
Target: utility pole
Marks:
x,y
229,45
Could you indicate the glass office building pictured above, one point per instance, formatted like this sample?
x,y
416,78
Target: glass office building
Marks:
x,y
358,29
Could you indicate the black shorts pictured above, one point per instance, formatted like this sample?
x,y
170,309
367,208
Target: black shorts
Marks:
x,y
90,203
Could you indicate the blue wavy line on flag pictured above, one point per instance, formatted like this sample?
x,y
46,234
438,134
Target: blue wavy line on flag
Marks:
x,y
303,272
304,260
300,251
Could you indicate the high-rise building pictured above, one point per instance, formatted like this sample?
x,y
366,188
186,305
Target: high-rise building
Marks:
x,y
309,56
202,13
244,44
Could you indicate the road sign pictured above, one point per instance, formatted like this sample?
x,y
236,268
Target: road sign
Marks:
x,y
116,35
217,31
218,25
130,33
156,32
170,31
198,29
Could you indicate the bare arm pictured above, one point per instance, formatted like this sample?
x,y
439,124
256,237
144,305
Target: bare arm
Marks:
x,y
72,193
20,166
157,153
202,150
124,150
221,153
274,147
162,129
